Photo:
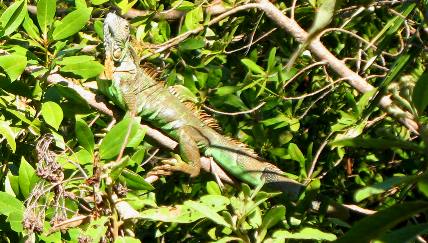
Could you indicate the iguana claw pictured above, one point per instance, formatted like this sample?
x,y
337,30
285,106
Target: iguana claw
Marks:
x,y
171,165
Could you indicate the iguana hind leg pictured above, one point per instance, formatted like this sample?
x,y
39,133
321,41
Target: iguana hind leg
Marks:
x,y
190,157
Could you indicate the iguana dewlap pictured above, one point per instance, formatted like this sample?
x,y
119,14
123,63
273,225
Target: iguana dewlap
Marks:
x,y
132,88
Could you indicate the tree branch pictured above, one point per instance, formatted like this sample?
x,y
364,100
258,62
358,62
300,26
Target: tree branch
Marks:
x,y
317,48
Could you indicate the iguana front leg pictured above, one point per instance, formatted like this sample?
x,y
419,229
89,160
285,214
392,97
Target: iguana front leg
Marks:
x,y
189,163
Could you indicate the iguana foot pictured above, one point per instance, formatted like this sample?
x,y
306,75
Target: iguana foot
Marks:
x,y
171,165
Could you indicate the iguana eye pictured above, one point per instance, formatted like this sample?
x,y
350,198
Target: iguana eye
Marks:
x,y
117,53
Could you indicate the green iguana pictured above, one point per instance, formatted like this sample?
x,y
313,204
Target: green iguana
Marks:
x,y
134,88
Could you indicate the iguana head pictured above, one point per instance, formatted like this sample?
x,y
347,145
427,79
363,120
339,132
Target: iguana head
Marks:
x,y
116,37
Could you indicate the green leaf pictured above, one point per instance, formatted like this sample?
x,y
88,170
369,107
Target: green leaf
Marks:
x,y
45,14
76,60
186,213
216,202
304,234
375,225
377,143
182,5
252,66
323,16
207,212
9,204
84,135
31,28
271,59
98,27
125,5
84,66
297,155
114,139
81,157
126,239
80,4
13,65
14,182
15,219
420,93
405,234
134,181
72,23
273,216
213,188
193,18
192,43
98,2
85,70
382,187
8,134
226,90
27,177
97,229
423,186
13,209
13,16
52,113
392,26
270,219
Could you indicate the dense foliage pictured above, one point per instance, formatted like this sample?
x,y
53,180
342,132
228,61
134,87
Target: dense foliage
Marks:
x,y
364,165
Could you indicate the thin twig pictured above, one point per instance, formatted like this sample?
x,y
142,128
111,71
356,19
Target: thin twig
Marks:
x,y
94,120
315,92
358,209
254,42
317,154
250,43
150,157
302,71
315,102
293,7
369,45
176,40
364,61
235,113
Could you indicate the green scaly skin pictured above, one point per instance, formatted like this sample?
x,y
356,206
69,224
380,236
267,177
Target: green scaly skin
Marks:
x,y
132,89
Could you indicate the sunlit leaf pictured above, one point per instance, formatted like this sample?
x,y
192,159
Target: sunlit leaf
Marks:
x,y
207,212
27,177
12,18
72,23
252,66
304,234
45,14
7,133
84,135
52,113
13,65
